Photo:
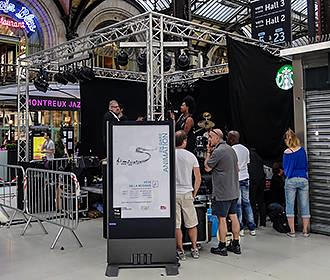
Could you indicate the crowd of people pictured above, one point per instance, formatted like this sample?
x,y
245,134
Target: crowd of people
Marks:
x,y
228,162
238,183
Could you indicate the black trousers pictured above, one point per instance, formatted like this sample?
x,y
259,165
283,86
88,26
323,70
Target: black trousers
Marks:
x,y
257,200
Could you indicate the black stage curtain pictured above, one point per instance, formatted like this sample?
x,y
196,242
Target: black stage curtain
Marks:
x,y
95,96
260,111
211,95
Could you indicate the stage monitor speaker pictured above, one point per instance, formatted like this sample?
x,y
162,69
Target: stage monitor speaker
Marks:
x,y
202,234
87,167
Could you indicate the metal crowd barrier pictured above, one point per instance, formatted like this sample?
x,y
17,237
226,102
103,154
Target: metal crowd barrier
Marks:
x,y
53,197
57,164
12,191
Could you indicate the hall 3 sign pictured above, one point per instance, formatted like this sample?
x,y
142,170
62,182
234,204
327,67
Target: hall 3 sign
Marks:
x,y
19,13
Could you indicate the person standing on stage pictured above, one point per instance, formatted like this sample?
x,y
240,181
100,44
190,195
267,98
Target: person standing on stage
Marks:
x,y
48,147
221,159
185,122
121,115
243,205
110,116
186,164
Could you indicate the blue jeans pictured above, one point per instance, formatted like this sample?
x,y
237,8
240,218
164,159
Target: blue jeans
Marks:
x,y
243,203
300,187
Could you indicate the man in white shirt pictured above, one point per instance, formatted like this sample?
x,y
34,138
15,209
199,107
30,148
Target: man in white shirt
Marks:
x,y
186,164
243,204
48,147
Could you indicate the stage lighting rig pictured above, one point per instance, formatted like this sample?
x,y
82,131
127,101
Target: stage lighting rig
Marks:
x,y
41,80
69,75
183,62
87,73
142,61
78,75
122,58
167,62
59,78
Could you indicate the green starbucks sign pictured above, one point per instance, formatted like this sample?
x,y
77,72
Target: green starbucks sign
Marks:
x,y
284,77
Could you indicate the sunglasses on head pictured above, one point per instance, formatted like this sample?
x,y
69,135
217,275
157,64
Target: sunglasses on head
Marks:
x,y
216,133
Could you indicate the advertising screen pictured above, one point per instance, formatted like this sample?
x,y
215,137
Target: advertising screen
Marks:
x,y
141,171
37,144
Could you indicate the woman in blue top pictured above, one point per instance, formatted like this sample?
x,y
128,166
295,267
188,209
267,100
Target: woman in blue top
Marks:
x,y
295,169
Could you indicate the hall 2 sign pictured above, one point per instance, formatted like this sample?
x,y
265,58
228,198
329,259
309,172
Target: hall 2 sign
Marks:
x,y
19,13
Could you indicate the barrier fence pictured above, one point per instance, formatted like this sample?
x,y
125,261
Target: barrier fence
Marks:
x,y
57,164
12,189
53,197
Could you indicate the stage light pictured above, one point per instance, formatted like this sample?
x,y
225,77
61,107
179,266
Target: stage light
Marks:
x,y
59,78
142,62
68,74
78,75
40,84
41,80
183,62
167,62
192,88
87,73
122,58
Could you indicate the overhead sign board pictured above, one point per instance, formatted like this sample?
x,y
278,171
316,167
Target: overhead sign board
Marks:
x,y
271,21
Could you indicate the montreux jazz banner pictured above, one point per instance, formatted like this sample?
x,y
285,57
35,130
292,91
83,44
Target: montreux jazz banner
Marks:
x,y
53,104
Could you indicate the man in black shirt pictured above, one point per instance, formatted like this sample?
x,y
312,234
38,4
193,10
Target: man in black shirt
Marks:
x,y
257,186
277,193
110,116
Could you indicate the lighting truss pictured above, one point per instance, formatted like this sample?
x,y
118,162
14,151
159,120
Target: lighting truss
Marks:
x,y
195,74
120,74
150,27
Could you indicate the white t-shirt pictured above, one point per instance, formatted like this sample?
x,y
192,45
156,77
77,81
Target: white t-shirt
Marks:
x,y
185,163
243,156
49,145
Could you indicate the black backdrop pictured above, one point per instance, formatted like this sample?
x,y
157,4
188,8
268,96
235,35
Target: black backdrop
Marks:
x,y
260,110
211,95
95,96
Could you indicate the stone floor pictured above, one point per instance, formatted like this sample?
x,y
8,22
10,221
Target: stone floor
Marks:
x,y
268,256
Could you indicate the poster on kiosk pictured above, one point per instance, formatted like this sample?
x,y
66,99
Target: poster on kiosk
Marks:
x,y
141,196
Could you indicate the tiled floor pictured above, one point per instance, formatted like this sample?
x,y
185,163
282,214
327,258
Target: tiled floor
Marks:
x,y
268,256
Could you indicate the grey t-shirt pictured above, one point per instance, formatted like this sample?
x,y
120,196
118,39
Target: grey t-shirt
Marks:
x,y
224,164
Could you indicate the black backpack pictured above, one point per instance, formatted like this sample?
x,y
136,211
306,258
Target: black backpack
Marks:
x,y
280,222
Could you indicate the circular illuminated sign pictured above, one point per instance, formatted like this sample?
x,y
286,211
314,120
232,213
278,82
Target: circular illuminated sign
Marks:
x,y
284,77
22,17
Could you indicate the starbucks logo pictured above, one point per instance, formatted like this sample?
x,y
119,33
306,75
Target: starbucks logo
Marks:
x,y
284,77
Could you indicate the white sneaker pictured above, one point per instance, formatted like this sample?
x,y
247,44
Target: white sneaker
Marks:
x,y
195,253
253,232
181,255
241,233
